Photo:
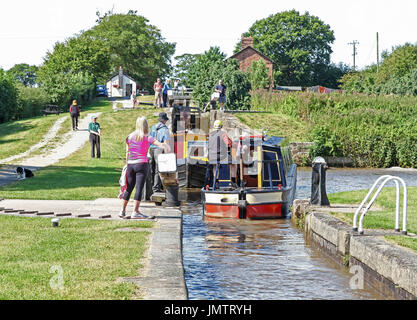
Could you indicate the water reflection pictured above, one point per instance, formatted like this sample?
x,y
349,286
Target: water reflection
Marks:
x,y
230,259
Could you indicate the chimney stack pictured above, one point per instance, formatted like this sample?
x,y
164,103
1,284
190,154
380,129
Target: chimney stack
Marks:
x,y
247,42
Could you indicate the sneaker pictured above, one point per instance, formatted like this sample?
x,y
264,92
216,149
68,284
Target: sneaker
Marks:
x,y
138,215
122,214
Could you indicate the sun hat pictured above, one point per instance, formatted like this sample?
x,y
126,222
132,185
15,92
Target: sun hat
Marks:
x,y
94,117
163,116
218,124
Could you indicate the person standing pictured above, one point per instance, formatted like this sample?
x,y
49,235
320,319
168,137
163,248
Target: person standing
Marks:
x,y
167,86
219,151
160,133
75,114
94,130
221,88
157,87
137,144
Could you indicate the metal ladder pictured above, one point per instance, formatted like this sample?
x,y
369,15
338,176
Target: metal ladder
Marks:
x,y
386,179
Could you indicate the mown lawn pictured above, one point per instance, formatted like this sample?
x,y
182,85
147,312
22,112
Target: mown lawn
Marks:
x,y
384,219
90,254
17,136
82,259
79,177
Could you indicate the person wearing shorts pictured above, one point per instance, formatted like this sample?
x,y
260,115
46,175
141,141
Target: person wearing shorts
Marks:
x,y
137,145
157,87
221,88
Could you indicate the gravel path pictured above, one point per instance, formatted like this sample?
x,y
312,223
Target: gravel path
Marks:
x,y
45,140
70,143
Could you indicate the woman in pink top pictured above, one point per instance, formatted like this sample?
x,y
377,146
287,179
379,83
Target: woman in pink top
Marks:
x,y
137,144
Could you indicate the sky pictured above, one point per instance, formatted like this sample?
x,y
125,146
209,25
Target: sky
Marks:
x,y
29,29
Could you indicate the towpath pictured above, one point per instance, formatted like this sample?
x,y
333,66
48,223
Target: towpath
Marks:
x,y
68,144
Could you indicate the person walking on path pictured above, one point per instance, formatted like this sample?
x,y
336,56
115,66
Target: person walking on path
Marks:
x,y
221,88
137,145
157,87
94,130
167,86
160,133
75,114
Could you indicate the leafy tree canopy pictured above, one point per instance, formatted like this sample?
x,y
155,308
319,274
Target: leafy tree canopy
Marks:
x,y
299,45
24,73
258,75
211,67
135,45
183,64
8,97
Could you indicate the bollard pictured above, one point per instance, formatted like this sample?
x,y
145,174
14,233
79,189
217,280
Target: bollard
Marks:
x,y
318,183
55,222
167,167
172,196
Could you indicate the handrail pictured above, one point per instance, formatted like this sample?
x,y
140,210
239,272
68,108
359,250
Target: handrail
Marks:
x,y
397,213
355,217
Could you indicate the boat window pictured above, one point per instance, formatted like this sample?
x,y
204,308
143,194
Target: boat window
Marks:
x,y
271,158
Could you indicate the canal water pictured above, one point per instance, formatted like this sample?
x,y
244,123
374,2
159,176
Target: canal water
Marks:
x,y
269,260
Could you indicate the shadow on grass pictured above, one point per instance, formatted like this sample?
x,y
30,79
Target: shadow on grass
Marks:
x,y
61,178
8,141
13,127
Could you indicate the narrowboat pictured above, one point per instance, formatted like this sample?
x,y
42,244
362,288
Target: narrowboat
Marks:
x,y
265,187
189,129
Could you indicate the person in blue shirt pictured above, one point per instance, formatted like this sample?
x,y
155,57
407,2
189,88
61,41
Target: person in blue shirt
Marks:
x,y
167,86
161,133
221,88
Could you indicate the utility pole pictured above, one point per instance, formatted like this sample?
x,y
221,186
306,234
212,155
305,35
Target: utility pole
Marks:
x,y
354,43
377,51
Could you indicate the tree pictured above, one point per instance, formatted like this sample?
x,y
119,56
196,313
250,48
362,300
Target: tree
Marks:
x,y
299,45
80,54
8,97
135,45
258,75
183,66
209,68
24,73
399,63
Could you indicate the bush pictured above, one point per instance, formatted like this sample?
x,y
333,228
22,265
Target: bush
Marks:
x,y
8,97
63,88
375,131
31,101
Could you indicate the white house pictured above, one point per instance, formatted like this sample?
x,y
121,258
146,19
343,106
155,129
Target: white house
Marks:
x,y
121,85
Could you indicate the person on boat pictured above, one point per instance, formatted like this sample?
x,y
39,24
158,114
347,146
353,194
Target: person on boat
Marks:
x,y
219,145
137,145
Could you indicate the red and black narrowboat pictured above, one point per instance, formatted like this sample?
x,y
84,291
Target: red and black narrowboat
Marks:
x,y
266,183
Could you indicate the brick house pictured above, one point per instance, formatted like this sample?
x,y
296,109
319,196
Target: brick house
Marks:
x,y
249,54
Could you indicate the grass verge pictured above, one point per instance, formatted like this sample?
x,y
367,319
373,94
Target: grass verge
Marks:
x,y
17,136
384,219
82,259
279,125
80,177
